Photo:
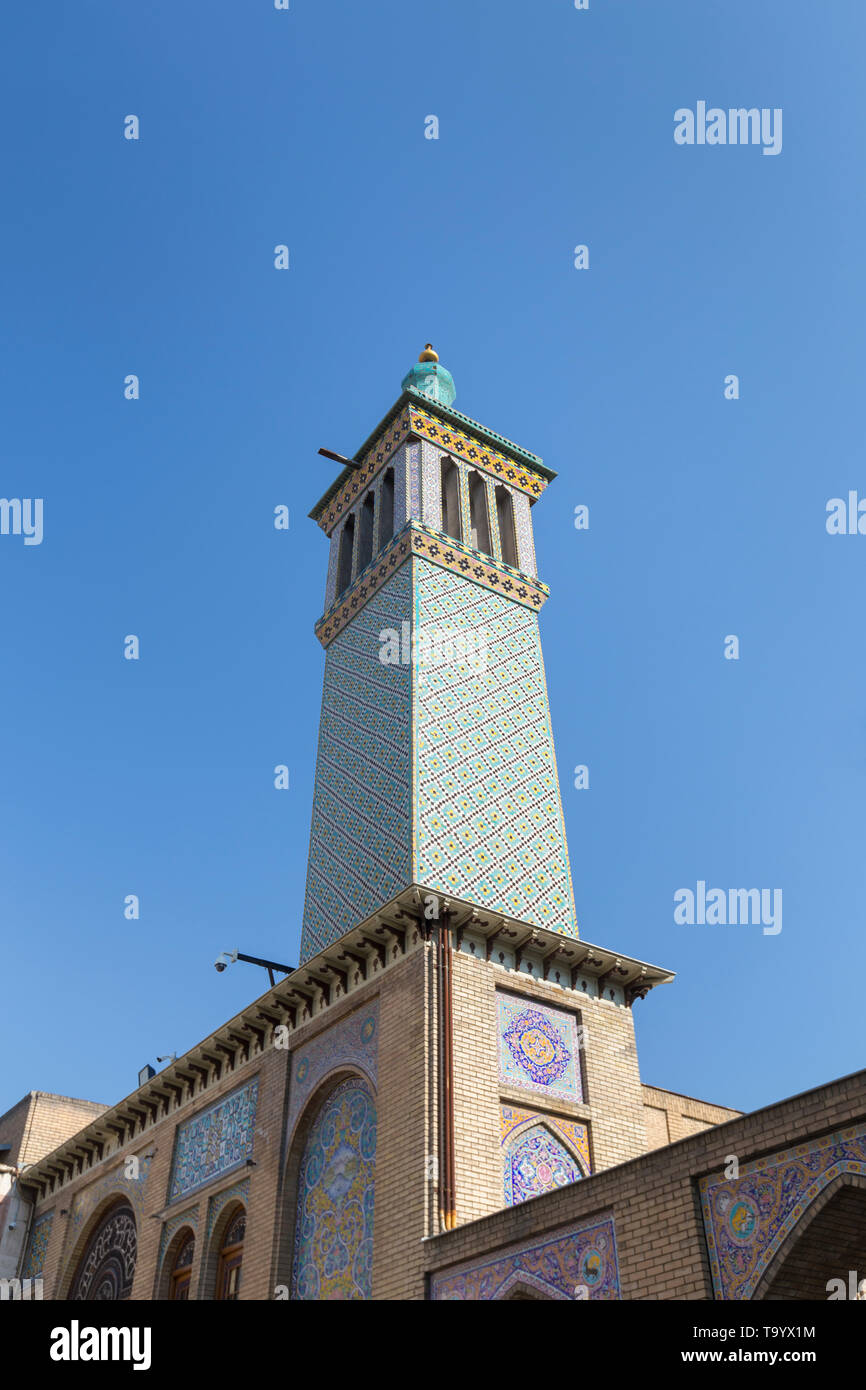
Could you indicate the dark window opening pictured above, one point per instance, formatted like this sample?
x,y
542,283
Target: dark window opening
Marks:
x,y
365,539
450,500
507,528
347,543
386,508
478,518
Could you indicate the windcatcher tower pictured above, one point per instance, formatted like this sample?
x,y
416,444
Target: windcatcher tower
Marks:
x,y
448,1046
438,870
436,764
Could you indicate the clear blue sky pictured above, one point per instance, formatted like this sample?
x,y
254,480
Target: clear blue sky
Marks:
x,y
706,516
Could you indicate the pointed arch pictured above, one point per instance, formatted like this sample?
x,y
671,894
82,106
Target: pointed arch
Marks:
x,y
525,1286
537,1159
105,1270
175,1274
796,1255
334,1192
222,1264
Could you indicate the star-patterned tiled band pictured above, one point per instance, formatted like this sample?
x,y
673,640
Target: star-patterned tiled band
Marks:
x,y
415,539
421,423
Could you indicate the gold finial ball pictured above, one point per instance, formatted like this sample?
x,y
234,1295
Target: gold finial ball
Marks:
x,y
428,355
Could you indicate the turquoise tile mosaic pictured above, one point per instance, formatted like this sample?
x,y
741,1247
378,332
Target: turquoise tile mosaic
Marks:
x,y
360,837
214,1142
34,1261
489,825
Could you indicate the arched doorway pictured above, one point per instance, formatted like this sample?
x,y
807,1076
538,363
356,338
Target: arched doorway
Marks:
x,y
181,1269
231,1257
828,1244
106,1269
333,1246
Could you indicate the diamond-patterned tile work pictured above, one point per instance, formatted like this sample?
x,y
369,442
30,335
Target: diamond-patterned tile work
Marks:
x,y
489,823
523,526
360,836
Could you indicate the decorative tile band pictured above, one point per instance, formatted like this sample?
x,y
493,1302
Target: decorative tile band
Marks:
x,y
415,539
575,1264
489,574
352,1042
368,582
746,1219
37,1247
373,460
240,1192
463,445
173,1225
413,420
214,1141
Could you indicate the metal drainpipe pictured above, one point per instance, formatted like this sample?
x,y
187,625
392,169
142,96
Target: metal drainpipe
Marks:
x,y
440,1075
15,1193
447,1200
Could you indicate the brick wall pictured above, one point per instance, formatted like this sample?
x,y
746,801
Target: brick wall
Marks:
x,y
40,1121
670,1116
105,1184
613,1104
406,1189
659,1232
653,1195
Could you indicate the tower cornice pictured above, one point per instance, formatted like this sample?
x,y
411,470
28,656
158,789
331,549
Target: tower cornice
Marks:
x,y
414,415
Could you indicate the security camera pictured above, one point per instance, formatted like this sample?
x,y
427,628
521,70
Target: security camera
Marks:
x,y
13,1225
219,963
225,958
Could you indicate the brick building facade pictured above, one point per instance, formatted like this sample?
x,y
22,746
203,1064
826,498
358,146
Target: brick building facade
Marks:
x,y
444,1100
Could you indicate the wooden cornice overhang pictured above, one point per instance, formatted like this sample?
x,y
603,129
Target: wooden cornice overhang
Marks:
x,y
310,992
552,956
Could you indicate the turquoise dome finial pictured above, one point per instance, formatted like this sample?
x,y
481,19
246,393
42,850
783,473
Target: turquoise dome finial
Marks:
x,y
430,378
